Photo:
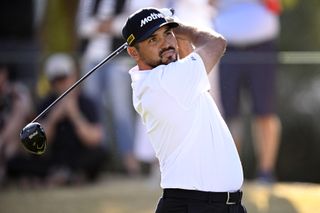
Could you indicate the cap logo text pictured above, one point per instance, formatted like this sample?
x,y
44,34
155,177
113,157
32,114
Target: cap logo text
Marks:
x,y
151,17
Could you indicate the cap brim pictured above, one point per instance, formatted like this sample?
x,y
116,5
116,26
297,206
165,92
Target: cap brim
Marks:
x,y
147,34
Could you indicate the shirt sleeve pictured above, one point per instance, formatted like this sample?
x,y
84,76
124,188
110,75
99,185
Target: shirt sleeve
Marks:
x,y
185,79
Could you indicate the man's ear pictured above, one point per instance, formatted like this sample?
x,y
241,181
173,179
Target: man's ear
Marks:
x,y
132,51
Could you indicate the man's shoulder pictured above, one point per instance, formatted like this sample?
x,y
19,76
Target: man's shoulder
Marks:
x,y
188,62
194,56
83,97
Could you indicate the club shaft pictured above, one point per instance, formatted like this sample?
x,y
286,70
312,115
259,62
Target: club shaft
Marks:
x,y
113,54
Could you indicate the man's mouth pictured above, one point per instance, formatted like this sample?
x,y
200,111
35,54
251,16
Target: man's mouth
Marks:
x,y
167,53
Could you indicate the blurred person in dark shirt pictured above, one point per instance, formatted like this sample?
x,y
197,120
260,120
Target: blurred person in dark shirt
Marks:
x,y
248,76
74,131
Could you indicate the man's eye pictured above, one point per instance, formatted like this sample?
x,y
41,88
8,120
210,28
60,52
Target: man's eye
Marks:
x,y
169,34
152,40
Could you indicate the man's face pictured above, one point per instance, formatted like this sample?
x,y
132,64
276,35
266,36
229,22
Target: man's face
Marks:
x,y
62,83
159,48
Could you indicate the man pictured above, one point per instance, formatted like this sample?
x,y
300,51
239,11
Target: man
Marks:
x,y
73,129
200,167
250,66
95,20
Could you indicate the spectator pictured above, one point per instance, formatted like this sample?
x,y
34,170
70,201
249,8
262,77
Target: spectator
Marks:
x,y
251,29
110,86
15,109
73,129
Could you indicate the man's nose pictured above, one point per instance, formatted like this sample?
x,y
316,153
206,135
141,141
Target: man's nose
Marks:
x,y
165,43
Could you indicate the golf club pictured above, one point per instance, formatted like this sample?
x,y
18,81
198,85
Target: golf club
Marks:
x,y
33,136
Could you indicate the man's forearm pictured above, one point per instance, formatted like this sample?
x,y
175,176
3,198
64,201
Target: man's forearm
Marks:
x,y
209,44
196,36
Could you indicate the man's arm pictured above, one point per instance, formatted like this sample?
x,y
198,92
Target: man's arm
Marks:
x,y
207,43
91,133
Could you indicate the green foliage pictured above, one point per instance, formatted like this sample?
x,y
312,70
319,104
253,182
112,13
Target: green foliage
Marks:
x,y
59,31
289,4
300,25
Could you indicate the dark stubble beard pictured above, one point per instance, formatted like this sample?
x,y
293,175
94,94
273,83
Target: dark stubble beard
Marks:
x,y
161,61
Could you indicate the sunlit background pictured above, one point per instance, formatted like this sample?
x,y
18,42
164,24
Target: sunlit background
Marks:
x,y
298,90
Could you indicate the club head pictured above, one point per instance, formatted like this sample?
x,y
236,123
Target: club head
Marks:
x,y
33,138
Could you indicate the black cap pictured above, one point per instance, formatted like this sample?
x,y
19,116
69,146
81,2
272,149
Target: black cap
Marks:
x,y
141,24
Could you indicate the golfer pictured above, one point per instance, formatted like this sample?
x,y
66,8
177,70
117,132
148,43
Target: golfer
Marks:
x,y
200,167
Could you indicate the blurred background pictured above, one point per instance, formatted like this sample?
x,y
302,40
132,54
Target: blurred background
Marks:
x,y
51,26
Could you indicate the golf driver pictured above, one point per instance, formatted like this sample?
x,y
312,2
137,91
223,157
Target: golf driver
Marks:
x,y
33,136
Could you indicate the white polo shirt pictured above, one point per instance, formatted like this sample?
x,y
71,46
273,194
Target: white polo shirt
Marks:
x,y
190,138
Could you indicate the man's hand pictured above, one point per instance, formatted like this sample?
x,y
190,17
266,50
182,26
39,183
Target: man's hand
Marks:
x,y
169,14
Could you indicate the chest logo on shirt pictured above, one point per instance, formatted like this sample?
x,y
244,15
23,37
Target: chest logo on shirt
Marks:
x,y
193,58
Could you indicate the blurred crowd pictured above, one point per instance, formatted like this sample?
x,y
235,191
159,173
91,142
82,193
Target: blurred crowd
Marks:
x,y
95,128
